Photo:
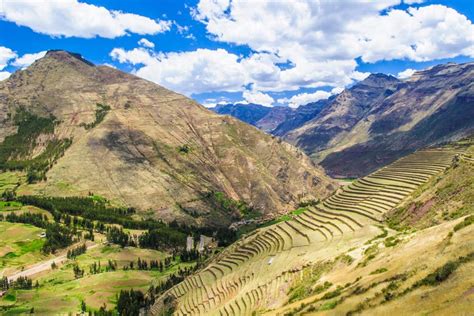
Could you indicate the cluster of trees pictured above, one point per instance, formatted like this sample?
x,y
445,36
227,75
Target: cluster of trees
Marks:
x,y
164,238
187,256
130,302
117,236
150,265
96,267
58,237
78,272
73,253
35,219
22,283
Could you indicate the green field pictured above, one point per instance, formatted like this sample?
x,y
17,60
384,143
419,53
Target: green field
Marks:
x,y
60,291
20,245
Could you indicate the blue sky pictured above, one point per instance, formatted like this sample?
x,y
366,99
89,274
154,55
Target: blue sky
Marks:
x,y
268,52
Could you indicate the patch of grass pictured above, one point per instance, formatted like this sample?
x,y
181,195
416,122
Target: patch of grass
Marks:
x,y
378,271
391,241
332,294
329,305
100,113
345,258
10,297
466,222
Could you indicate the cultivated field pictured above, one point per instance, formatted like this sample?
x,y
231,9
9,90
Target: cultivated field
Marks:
x,y
257,273
60,291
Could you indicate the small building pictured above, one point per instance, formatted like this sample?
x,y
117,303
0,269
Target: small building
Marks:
x,y
189,243
206,243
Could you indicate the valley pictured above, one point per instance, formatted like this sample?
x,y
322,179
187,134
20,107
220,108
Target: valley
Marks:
x,y
120,197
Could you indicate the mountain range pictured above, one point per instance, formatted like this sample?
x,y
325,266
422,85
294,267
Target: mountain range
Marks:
x,y
382,118
89,129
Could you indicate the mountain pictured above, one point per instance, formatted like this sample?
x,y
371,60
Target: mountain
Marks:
x,y
299,116
277,120
79,129
248,113
382,118
273,119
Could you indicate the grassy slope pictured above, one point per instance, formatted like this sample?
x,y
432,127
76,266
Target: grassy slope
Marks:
x,y
372,278
447,197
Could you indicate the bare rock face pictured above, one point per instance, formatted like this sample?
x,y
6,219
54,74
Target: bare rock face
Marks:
x,y
139,144
382,118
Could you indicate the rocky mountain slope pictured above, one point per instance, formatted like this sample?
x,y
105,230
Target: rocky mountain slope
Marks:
x,y
248,113
277,120
382,118
85,128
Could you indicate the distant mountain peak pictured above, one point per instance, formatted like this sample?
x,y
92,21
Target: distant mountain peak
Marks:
x,y
378,79
66,56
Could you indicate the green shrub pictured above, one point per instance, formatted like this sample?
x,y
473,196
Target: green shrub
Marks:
x,y
100,113
381,270
391,241
466,222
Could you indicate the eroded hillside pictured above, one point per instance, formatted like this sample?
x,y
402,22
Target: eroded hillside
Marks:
x,y
96,129
382,118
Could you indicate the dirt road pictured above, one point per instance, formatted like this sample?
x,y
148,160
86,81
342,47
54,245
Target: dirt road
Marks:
x,y
43,266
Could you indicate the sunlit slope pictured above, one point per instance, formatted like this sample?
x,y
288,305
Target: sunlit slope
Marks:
x,y
255,273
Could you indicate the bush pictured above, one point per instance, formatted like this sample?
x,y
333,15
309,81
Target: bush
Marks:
x,y
466,222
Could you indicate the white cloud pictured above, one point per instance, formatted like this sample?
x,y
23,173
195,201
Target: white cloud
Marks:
x,y
146,43
406,73
71,18
202,70
27,59
6,54
323,39
305,98
258,97
318,42
4,75
413,1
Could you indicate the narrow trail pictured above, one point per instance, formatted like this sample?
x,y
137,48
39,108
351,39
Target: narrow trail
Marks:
x,y
44,265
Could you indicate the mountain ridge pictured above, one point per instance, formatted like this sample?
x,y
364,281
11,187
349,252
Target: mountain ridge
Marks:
x,y
139,144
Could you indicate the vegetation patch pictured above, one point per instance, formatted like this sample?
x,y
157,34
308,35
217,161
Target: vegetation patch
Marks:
x,y
100,113
15,150
378,271
391,241
443,272
466,222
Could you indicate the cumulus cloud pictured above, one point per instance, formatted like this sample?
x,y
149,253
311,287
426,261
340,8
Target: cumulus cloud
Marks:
x,y
257,97
194,72
406,73
305,98
146,43
71,18
27,59
321,40
6,54
4,75
302,44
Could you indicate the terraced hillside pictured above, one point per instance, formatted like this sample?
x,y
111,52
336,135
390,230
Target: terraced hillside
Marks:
x,y
256,273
